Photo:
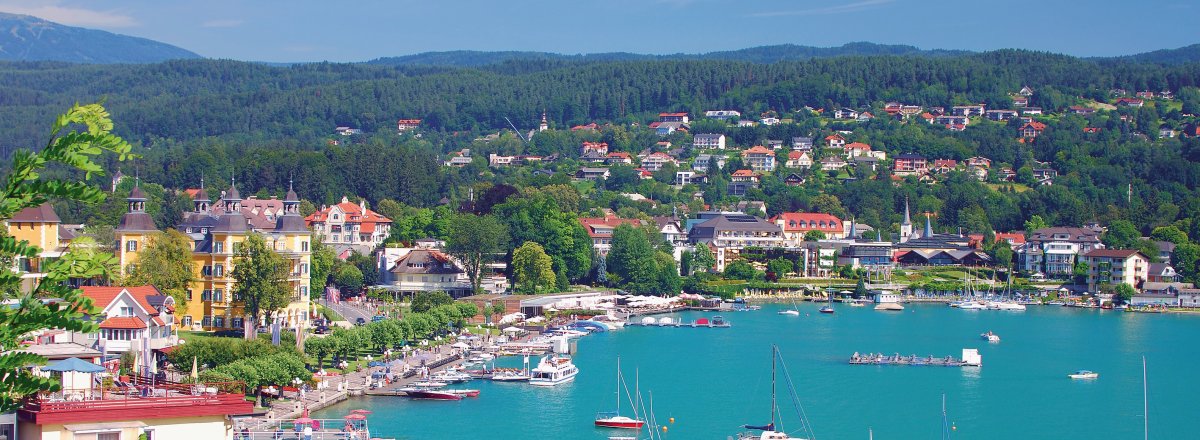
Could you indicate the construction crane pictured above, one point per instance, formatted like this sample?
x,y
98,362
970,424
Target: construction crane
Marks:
x,y
519,135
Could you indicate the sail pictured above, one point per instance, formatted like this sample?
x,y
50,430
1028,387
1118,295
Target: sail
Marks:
x,y
767,427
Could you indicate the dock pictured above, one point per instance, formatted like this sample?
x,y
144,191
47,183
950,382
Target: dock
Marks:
x,y
716,322
970,358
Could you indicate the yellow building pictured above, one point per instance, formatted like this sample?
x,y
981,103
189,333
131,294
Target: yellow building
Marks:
x,y
40,227
217,230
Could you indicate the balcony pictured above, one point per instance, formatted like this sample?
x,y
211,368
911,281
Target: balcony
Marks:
x,y
138,399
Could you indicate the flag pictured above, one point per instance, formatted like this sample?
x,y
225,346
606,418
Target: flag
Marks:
x,y
195,371
275,332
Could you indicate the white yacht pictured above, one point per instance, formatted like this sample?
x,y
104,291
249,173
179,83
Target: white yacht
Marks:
x,y
1006,305
553,370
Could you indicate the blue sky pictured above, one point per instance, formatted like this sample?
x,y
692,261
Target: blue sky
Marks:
x,y
357,30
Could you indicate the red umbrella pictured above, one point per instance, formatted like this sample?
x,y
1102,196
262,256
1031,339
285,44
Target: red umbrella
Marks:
x,y
303,421
356,417
361,411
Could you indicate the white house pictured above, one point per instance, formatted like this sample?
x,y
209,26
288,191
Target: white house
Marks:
x,y
129,316
709,141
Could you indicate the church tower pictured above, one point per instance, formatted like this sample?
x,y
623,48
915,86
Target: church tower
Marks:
x,y
544,125
906,228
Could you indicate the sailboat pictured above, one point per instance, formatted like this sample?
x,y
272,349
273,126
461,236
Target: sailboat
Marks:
x,y
946,428
614,419
770,431
828,308
794,311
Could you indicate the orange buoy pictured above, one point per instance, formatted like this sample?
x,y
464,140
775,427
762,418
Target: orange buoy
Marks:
x,y
672,420
664,429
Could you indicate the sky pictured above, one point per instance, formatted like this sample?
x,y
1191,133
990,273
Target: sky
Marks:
x,y
359,30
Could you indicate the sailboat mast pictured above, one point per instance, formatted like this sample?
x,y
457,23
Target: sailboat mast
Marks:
x,y
774,353
618,385
1145,402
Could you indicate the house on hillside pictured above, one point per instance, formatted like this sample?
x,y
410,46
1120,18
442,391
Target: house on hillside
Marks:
x,y
593,174
910,164
968,110
596,152
799,159
759,158
404,125
845,113
855,149
706,141
723,114
802,143
835,141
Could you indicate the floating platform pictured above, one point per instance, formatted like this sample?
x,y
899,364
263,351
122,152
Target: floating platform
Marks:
x,y
970,358
715,322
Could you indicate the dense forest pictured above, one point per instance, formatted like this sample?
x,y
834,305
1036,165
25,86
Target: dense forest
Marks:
x,y
265,125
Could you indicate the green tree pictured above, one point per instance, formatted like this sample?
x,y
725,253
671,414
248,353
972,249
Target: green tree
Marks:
x,y
814,235
166,263
261,277
740,270
25,187
669,282
779,268
702,259
631,259
532,269
474,241
1169,233
322,259
319,349
1125,291
348,279
1121,234
1035,223
426,301
1185,261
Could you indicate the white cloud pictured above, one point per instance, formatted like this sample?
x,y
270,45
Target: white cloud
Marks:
x,y
73,16
827,10
222,23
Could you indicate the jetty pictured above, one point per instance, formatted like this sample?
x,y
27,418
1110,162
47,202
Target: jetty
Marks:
x,y
970,358
715,322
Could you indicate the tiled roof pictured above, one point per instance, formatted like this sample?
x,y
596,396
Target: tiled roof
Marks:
x,y
806,221
857,146
354,214
43,213
1112,253
127,322
102,296
757,149
425,261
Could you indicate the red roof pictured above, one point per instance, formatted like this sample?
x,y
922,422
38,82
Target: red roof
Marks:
x,y
857,146
354,214
126,322
926,115
620,154
757,149
945,163
743,173
808,221
1113,253
610,221
102,296
1011,237
795,155
595,146
834,136
1035,125
672,114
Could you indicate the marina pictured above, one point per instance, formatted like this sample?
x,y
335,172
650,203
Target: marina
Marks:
x,y
1023,374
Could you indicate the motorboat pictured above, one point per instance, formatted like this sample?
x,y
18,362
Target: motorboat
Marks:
x,y
429,384
614,419
510,376
1084,374
857,303
553,370
451,376
790,312
971,305
990,337
463,392
612,322
429,394
826,309
1005,305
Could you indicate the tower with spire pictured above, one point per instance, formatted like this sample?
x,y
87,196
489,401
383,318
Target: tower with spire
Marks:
x,y
135,228
545,125
928,227
906,228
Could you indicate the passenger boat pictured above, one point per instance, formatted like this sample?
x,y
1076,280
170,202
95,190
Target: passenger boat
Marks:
x,y
510,376
429,394
553,370
990,337
614,419
1084,374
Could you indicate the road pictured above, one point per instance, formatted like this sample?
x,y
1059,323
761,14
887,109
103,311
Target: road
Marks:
x,y
351,312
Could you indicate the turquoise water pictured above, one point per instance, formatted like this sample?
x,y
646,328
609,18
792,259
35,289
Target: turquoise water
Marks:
x,y
714,380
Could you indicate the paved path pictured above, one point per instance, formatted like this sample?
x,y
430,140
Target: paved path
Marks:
x,y
351,312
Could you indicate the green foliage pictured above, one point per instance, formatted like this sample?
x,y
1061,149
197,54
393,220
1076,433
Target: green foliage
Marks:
x,y
166,263
537,217
261,276
741,270
1169,233
426,301
1035,223
1121,234
703,259
216,351
348,279
779,268
474,241
322,263
1125,291
1186,261
532,269
22,187
632,260
366,265
814,235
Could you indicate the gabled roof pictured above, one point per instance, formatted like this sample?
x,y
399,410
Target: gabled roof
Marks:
x,y
425,261
591,224
757,149
1113,253
743,173
834,136
123,322
857,146
805,221
145,296
354,213
43,213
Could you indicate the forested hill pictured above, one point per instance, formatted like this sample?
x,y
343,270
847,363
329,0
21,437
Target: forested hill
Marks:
x,y
761,54
1171,57
26,38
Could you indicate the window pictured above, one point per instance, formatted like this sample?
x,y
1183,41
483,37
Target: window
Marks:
x,y
236,296
304,246
207,321
303,291
218,295
109,436
219,270
219,322
206,296
131,246
303,268
126,311
218,247
237,247
236,323
187,320
206,271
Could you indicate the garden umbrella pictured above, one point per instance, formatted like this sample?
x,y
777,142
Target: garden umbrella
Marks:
x,y
75,365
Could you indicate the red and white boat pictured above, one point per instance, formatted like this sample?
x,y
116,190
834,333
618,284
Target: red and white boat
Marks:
x,y
614,419
430,394
464,393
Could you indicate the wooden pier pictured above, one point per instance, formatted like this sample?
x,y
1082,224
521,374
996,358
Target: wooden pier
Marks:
x,y
970,358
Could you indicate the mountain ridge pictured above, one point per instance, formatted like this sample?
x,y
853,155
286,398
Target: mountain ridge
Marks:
x,y
29,38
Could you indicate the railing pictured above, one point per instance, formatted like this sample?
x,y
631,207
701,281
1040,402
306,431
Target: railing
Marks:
x,y
139,392
322,429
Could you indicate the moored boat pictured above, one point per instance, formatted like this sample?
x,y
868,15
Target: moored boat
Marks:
x,y
614,419
990,337
553,370
463,392
429,394
770,431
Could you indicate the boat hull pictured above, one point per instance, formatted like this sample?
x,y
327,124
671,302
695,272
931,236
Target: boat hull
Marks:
x,y
431,395
620,423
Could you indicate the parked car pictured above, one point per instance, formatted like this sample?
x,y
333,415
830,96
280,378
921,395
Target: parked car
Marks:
x,y
378,318
359,321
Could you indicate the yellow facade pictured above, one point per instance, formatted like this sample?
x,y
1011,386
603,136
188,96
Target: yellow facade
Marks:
x,y
210,304
39,227
215,427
